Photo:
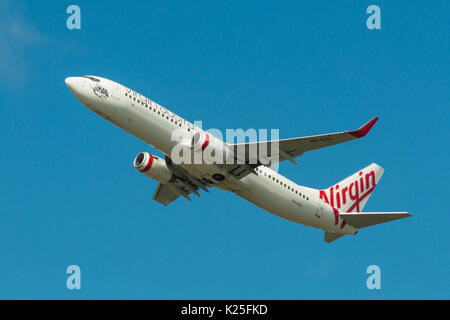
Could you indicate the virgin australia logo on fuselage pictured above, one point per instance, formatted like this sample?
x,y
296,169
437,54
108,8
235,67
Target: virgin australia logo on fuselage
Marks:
x,y
100,91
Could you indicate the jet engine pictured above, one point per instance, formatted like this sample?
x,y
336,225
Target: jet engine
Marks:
x,y
214,150
153,167
200,140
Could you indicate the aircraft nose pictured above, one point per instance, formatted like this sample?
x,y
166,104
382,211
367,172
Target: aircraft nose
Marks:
x,y
76,85
70,82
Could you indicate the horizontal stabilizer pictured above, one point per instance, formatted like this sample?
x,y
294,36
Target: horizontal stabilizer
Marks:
x,y
366,219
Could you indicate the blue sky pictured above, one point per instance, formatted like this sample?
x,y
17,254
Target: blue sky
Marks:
x,y
70,194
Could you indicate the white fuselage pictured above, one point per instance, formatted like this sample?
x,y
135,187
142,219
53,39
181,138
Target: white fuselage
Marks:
x,y
155,125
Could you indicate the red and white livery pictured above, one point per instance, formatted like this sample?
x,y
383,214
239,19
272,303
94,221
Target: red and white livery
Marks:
x,y
337,209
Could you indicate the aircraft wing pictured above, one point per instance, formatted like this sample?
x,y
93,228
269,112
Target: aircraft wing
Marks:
x,y
288,149
183,185
168,192
165,194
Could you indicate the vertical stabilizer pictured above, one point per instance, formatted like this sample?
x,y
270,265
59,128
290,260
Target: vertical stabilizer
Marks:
x,y
352,193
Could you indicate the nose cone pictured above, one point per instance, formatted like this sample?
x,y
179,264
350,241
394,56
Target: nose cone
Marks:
x,y
68,81
71,83
94,94
77,87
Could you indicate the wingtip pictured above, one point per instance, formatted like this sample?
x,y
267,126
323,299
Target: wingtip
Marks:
x,y
364,130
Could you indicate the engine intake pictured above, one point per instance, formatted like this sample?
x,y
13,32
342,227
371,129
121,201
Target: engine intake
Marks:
x,y
153,167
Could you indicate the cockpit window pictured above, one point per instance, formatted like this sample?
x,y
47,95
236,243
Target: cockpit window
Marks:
x,y
92,78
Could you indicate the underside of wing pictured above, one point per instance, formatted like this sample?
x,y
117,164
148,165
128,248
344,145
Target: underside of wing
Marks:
x,y
182,184
166,193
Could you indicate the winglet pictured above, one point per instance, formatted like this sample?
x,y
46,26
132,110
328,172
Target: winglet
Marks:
x,y
361,132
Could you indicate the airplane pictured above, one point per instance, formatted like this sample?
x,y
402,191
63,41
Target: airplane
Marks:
x,y
248,170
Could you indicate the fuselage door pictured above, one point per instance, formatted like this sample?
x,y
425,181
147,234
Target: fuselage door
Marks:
x,y
115,92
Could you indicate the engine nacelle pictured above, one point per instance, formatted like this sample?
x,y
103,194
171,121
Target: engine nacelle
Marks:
x,y
153,167
200,140
213,149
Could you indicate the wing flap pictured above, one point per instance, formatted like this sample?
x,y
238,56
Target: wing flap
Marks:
x,y
166,193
